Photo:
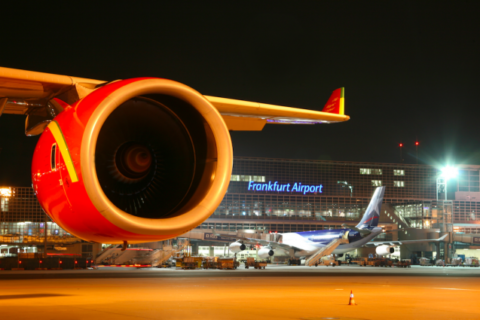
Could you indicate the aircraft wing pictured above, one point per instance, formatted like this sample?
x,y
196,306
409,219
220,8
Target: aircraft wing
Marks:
x,y
264,243
27,92
399,243
23,91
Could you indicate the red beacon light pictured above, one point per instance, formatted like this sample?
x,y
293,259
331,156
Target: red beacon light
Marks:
x,y
400,145
417,143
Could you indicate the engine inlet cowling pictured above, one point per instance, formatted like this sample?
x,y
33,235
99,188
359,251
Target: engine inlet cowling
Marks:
x,y
265,253
155,152
237,247
384,250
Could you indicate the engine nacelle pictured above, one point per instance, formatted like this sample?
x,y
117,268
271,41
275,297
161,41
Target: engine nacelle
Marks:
x,y
383,250
265,253
236,247
136,160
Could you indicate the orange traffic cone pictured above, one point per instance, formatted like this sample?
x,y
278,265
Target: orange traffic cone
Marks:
x,y
351,302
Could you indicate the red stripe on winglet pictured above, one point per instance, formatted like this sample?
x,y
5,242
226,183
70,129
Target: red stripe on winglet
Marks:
x,y
371,219
333,104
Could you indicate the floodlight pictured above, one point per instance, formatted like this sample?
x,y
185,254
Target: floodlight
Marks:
x,y
5,192
449,172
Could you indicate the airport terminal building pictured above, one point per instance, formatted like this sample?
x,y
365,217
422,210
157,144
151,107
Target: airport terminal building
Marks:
x,y
287,195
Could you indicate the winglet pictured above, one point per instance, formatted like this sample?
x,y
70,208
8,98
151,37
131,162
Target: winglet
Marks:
x,y
372,214
336,103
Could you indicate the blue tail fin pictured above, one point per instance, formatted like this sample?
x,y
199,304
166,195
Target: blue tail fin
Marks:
x,y
372,215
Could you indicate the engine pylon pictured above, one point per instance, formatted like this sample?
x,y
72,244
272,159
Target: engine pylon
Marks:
x,y
351,301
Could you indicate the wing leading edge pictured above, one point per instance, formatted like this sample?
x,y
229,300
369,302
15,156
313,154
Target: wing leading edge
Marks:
x,y
25,92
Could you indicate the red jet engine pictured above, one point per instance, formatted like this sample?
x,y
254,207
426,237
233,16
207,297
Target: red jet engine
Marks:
x,y
136,160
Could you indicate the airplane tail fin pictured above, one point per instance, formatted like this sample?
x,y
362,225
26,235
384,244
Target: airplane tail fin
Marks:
x,y
372,215
336,103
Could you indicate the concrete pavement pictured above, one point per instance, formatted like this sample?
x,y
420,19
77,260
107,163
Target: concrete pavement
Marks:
x,y
278,293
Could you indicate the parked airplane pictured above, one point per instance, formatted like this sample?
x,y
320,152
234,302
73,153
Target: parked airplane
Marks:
x,y
338,241
136,160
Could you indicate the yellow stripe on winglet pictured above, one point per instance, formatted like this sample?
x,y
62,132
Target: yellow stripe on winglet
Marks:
x,y
62,145
342,102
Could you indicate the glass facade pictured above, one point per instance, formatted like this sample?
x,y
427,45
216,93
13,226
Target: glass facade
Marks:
x,y
468,180
355,179
22,220
294,195
410,195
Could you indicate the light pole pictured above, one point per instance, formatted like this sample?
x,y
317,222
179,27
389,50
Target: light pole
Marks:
x,y
446,174
346,184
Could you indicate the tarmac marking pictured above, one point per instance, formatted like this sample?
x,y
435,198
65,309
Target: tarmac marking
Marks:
x,y
31,295
455,289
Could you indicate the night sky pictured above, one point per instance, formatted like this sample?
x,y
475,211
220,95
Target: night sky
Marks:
x,y
411,69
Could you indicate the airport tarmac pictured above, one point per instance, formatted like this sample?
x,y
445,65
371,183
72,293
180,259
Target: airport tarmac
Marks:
x,y
275,293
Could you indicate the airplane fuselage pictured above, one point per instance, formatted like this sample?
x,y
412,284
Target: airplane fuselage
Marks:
x,y
311,241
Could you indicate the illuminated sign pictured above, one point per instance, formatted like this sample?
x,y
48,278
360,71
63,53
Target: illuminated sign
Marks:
x,y
276,187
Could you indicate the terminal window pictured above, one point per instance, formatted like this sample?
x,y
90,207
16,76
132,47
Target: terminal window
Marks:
x,y
370,171
236,177
468,180
377,183
398,172
400,184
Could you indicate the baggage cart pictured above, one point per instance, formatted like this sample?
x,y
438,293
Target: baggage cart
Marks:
x,y
189,263
250,262
406,263
425,262
260,265
362,262
209,264
226,263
